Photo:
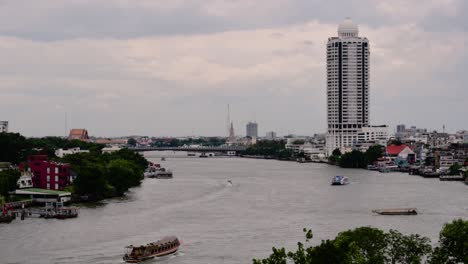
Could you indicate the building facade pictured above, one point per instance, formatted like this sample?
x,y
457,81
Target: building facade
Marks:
x,y
270,135
347,87
252,130
4,126
47,174
79,134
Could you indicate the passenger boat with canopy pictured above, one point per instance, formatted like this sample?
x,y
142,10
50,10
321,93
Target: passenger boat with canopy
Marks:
x,y
165,246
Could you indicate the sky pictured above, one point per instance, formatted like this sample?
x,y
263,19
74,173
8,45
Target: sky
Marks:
x,y
171,67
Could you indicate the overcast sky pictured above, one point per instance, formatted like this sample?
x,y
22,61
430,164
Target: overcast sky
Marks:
x,y
170,67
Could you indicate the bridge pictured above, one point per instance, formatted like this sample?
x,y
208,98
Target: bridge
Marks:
x,y
192,149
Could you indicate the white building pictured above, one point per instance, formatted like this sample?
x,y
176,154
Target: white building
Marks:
x,y
4,126
62,152
348,90
270,135
252,130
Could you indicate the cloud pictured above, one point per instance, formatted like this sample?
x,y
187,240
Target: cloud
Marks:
x,y
170,68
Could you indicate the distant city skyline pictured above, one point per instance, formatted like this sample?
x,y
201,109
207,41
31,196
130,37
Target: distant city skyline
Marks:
x,y
119,68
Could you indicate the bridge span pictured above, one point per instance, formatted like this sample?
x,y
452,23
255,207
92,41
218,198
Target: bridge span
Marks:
x,y
192,149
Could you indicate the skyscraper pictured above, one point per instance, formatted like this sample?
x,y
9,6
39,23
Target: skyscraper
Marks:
x,y
252,130
347,86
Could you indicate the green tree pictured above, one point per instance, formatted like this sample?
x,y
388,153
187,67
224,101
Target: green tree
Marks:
x,y
336,152
131,142
121,175
453,244
8,179
406,249
91,180
374,153
363,244
13,147
353,159
455,169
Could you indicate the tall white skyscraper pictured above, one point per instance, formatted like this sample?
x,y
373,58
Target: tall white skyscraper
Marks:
x,y
347,87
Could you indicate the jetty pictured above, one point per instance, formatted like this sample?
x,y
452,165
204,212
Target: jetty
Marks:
x,y
396,211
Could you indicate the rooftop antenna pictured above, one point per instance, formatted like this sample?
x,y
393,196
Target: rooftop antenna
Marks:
x,y
66,125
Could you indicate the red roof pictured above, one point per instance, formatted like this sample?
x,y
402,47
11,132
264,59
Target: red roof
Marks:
x,y
395,150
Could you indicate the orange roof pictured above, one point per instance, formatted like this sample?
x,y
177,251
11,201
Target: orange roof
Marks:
x,y
78,133
395,150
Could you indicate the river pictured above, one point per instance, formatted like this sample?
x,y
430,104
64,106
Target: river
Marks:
x,y
267,205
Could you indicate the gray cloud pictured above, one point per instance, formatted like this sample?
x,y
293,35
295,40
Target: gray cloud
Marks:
x,y
170,67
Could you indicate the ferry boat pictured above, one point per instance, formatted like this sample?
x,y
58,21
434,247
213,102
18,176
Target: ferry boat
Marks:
x,y
163,247
398,211
340,180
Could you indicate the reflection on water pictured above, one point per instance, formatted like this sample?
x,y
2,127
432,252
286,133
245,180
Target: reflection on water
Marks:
x,y
268,204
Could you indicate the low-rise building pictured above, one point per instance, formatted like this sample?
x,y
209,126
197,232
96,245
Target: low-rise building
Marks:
x,y
270,135
47,174
63,152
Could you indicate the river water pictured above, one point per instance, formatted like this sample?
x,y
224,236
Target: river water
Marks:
x,y
267,205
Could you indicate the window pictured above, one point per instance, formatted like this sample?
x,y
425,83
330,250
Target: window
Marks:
x,y
56,178
48,170
48,179
56,170
56,186
48,186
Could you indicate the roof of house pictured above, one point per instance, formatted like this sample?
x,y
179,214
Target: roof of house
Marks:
x,y
78,133
41,191
395,149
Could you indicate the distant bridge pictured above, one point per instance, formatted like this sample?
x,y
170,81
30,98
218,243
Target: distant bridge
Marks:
x,y
192,149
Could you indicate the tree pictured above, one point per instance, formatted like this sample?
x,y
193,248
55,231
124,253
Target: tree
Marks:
x,y
353,159
122,175
91,180
132,142
374,153
336,152
406,249
13,147
363,244
455,169
453,244
8,179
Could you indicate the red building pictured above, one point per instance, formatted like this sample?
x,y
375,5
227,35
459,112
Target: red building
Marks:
x,y
47,174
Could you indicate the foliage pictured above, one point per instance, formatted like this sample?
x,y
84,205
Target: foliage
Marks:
x,y
106,175
406,249
363,245
453,244
353,159
8,179
132,142
15,148
269,148
396,142
174,142
374,153
336,152
298,142
12,147
455,169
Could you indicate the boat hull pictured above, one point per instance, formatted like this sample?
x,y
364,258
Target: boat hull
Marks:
x,y
403,211
161,254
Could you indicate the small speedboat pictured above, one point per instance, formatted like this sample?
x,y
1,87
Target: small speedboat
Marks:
x,y
340,180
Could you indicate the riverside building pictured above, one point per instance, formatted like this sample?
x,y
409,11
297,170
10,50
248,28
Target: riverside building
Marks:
x,y
348,90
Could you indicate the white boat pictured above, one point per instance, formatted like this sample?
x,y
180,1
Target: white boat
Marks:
x,y
340,180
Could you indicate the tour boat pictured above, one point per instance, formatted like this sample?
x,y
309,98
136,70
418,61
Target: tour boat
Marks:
x,y
165,246
340,180
398,211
